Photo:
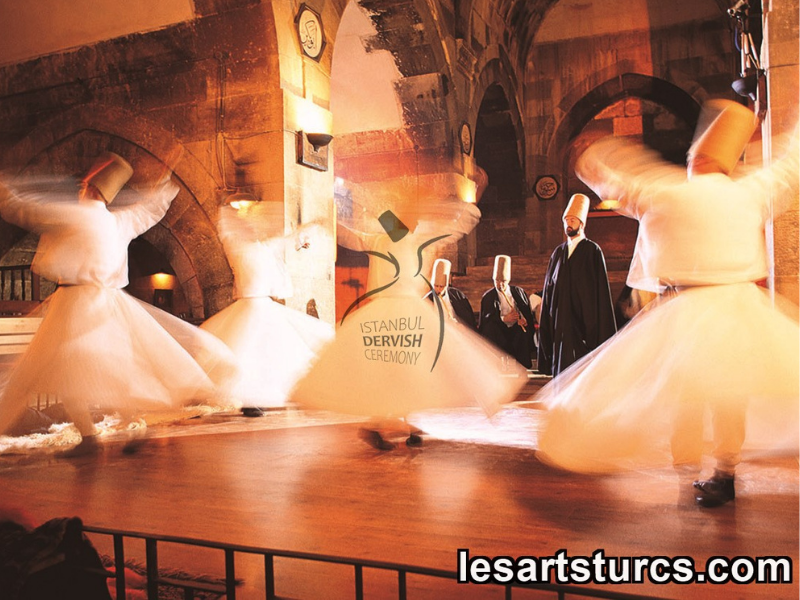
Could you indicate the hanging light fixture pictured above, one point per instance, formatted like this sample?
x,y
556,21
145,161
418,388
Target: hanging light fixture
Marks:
x,y
751,82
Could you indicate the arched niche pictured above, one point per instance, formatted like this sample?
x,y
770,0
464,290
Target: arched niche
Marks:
x,y
645,108
636,107
186,236
497,152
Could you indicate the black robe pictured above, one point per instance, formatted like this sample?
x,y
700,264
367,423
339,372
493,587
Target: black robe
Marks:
x,y
577,312
511,340
461,306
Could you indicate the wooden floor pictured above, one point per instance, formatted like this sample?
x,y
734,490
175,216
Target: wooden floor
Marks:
x,y
303,481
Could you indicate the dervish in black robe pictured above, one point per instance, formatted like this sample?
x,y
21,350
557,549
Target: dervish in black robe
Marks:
x,y
511,340
577,312
461,306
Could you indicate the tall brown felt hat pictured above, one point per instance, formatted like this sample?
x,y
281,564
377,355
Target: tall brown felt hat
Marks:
x,y
578,207
441,272
108,175
502,268
723,131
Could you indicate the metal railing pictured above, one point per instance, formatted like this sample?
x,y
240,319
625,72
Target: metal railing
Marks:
x,y
20,290
18,282
227,587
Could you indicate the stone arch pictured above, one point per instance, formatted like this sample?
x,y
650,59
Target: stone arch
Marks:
x,y
499,149
497,71
496,149
582,110
186,236
579,111
617,101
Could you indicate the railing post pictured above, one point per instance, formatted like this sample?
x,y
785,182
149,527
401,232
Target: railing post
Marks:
x,y
359,582
192,588
119,564
269,576
23,293
230,575
35,287
151,559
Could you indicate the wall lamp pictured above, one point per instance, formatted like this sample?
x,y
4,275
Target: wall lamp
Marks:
x,y
312,149
240,200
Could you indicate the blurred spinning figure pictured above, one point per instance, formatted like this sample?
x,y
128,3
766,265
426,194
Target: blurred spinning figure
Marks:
x,y
274,345
97,347
712,342
397,354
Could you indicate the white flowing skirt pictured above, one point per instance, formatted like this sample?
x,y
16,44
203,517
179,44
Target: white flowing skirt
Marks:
x,y
274,347
386,362
100,348
706,349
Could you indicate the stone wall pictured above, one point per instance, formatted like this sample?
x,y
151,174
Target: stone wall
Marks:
x,y
569,83
232,88
780,58
216,88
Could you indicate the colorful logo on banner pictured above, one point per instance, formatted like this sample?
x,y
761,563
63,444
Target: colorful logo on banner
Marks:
x,y
397,230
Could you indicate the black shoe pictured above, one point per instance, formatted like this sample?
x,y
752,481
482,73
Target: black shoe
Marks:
x,y
252,411
88,445
133,446
375,439
713,492
414,440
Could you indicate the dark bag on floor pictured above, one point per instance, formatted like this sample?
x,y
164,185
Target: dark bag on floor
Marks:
x,y
55,561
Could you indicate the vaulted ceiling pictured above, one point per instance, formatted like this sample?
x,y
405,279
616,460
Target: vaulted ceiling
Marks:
x,y
529,21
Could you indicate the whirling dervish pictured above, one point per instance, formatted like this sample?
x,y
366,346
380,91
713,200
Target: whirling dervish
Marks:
x,y
98,348
274,345
714,342
396,355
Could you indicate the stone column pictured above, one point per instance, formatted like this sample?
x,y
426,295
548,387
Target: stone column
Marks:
x,y
780,60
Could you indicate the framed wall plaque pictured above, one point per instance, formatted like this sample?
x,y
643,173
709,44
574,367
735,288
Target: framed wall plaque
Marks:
x,y
309,32
546,187
465,136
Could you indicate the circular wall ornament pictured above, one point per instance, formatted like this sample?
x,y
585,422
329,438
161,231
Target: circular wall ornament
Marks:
x,y
546,187
309,32
465,135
